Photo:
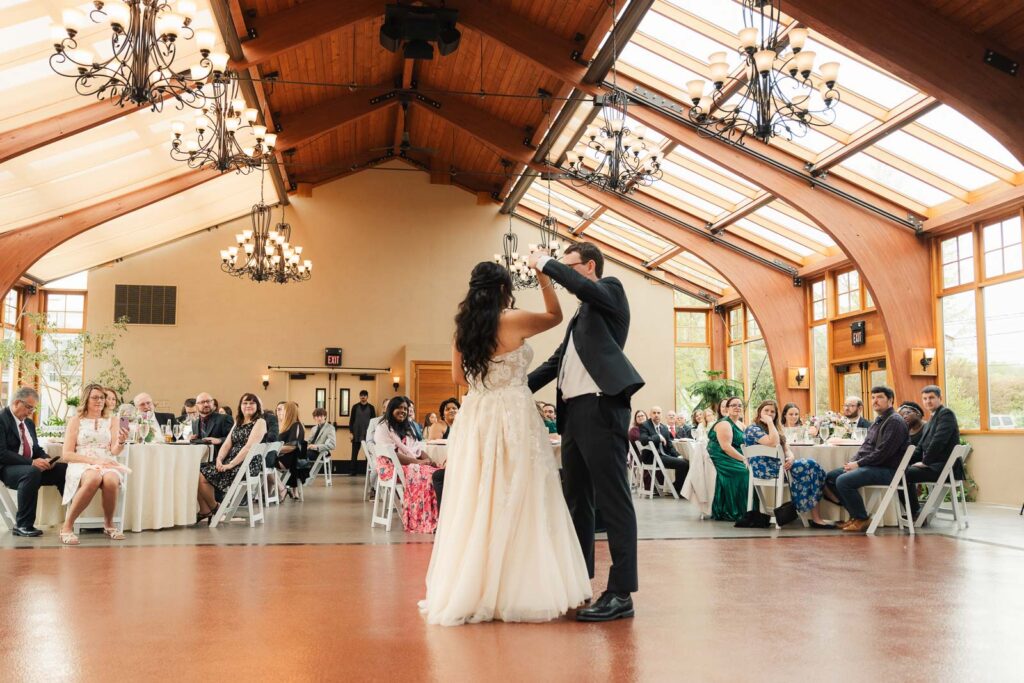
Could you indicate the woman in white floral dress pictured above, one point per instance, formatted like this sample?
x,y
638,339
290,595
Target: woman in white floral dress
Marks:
x,y
90,446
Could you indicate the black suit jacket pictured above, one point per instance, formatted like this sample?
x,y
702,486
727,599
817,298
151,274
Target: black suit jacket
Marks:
x,y
10,441
218,426
649,433
599,330
938,438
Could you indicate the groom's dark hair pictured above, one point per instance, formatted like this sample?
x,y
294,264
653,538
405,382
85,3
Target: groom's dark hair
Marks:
x,y
588,252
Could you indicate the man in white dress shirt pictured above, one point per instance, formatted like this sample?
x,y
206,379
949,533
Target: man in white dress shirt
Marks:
x,y
144,404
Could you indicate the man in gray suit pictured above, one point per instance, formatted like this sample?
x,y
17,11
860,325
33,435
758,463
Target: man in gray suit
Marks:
x,y
324,439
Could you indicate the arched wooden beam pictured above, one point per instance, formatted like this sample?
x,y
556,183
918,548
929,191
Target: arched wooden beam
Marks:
x,y
21,247
930,52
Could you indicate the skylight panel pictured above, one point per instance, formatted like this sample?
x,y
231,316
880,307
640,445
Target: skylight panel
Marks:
x,y
617,240
710,165
696,179
24,34
774,237
894,179
935,160
813,140
947,121
727,15
861,78
656,65
684,39
703,205
785,220
677,266
656,241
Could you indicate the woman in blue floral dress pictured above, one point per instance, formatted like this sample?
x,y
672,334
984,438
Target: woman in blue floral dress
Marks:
x,y
806,477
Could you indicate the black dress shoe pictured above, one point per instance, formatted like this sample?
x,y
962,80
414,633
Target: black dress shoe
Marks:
x,y
607,608
29,531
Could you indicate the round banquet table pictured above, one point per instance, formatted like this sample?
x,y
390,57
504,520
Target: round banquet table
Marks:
x,y
438,452
160,492
830,458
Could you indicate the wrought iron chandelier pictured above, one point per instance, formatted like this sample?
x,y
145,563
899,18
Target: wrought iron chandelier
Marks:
x,y
524,277
622,160
775,93
225,136
144,42
263,254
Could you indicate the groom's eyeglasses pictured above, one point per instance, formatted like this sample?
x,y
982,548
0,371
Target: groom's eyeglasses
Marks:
x,y
572,265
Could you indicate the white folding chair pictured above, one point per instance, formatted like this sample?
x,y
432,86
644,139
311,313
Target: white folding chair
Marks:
x,y
370,486
634,469
896,486
947,481
777,483
270,494
98,522
653,468
323,461
8,508
389,492
244,487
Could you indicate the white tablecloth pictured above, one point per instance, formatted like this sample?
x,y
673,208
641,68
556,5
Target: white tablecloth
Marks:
x,y
161,489
699,487
830,458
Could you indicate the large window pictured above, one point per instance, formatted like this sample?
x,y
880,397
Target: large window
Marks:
x,y
692,351
65,313
848,292
820,369
9,316
819,301
748,358
981,306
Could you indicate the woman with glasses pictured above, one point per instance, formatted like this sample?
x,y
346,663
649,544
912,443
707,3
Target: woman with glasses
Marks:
x,y
724,442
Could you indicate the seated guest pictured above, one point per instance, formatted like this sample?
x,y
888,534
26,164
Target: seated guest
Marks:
x,y
292,434
876,461
91,443
419,504
913,415
371,427
144,404
724,442
417,430
188,411
209,427
853,410
226,410
449,410
247,431
270,417
324,437
639,418
677,426
938,438
653,431
24,465
806,477
548,412
723,409
112,403
699,430
710,417
790,416
428,422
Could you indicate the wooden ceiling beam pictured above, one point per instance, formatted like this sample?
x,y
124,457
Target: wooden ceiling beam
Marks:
x,y
21,247
594,214
742,210
311,123
932,53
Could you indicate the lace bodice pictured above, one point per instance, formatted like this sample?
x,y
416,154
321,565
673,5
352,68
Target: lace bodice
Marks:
x,y
94,437
505,370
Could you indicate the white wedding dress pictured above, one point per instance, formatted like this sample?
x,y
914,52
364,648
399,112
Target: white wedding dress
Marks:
x,y
505,547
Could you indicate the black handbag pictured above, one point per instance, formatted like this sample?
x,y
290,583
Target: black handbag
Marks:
x,y
785,513
754,519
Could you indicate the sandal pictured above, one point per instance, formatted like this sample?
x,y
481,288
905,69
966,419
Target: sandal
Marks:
x,y
113,534
68,538
830,496
208,516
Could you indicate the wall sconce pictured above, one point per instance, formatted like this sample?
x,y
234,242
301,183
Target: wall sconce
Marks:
x,y
266,382
925,359
395,381
797,378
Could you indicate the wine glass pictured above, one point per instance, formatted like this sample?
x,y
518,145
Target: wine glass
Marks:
x,y
143,431
177,431
823,432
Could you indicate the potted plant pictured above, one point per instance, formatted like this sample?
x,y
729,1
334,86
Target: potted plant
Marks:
x,y
714,389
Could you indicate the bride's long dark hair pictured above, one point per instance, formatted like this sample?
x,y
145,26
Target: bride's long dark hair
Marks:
x,y
476,323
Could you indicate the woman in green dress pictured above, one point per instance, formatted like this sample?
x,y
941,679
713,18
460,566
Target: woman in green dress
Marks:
x,y
724,443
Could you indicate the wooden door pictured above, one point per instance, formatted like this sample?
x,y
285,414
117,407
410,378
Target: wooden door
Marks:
x,y
856,379
431,384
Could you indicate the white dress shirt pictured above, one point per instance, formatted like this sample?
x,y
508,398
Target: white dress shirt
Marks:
x,y
573,378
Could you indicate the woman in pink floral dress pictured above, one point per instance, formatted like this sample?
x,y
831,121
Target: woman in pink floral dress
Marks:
x,y
419,503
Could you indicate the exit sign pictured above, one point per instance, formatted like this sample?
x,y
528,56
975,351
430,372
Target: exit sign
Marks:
x,y
332,357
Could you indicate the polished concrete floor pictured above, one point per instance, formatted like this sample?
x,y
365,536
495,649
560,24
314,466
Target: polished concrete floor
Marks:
x,y
317,595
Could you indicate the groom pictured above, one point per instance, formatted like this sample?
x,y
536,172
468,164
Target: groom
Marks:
x,y
595,382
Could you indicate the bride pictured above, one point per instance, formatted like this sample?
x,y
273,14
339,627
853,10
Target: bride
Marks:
x,y
506,548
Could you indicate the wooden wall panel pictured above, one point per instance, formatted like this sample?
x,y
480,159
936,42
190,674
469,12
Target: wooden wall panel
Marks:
x,y
844,351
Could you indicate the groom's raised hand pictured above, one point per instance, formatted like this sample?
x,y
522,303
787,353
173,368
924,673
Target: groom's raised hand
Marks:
x,y
533,258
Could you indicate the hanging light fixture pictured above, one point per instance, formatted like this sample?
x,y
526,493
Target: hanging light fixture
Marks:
x,y
523,276
225,133
144,42
263,254
621,159
775,94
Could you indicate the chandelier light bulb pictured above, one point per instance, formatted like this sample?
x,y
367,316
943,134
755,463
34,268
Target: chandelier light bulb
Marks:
x,y
248,234
168,26
232,124
249,247
237,107
187,8
764,59
198,72
205,41
57,36
748,39
73,20
223,255
240,238
177,127
191,145
705,105
251,115
117,14
260,132
232,252
249,151
201,123
797,38
719,72
805,62
695,89
308,264
829,73
271,141
219,61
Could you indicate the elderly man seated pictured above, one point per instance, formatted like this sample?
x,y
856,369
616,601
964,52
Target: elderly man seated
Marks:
x,y
144,404
656,432
210,427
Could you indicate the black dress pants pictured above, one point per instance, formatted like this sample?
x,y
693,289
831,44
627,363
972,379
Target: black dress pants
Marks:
x,y
356,445
27,480
594,444
681,466
918,475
